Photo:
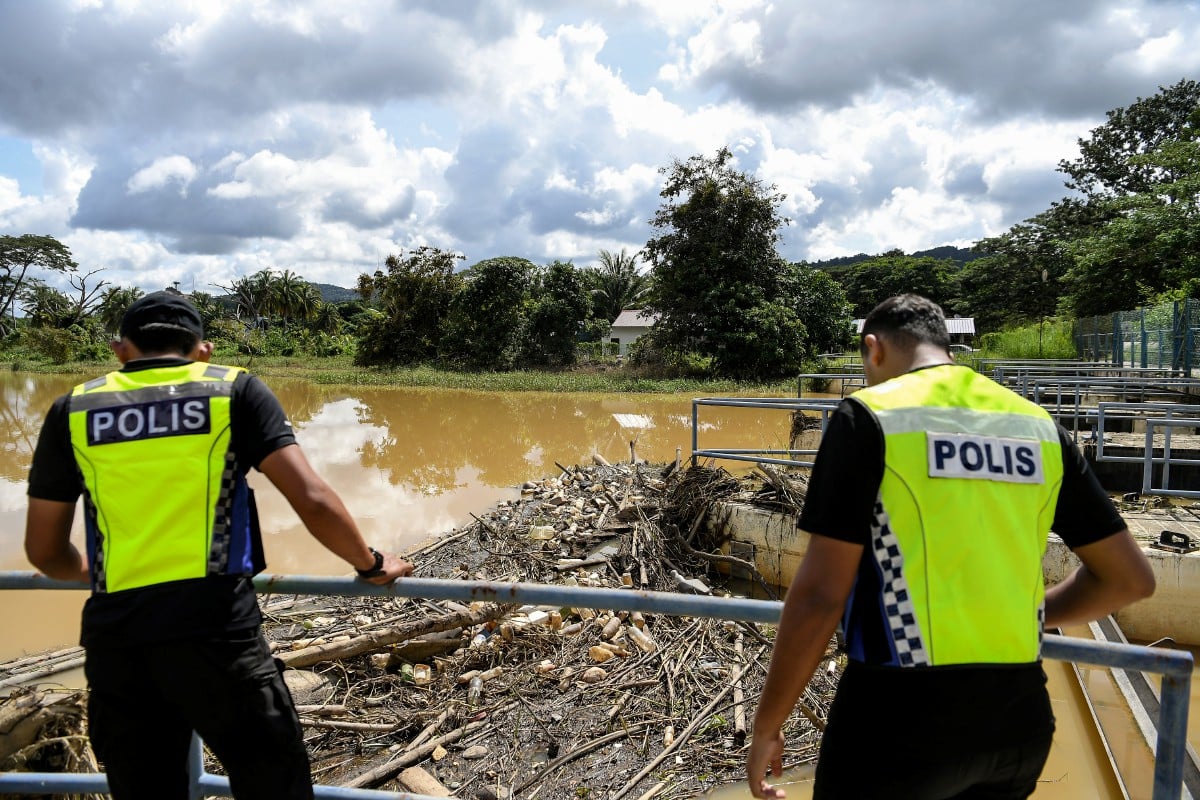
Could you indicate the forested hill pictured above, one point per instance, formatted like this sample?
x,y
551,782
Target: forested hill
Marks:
x,y
957,254
335,294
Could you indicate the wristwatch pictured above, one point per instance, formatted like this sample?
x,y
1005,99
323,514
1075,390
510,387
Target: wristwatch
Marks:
x,y
376,569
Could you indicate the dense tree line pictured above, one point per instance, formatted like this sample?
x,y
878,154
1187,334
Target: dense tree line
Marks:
x,y
1127,234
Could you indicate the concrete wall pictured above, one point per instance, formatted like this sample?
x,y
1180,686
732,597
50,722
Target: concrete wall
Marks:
x,y
776,547
625,337
1173,611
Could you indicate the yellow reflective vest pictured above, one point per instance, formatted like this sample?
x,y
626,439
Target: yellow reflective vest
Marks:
x,y
970,482
164,499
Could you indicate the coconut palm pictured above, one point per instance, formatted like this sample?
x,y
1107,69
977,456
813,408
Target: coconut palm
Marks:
x,y
618,285
113,304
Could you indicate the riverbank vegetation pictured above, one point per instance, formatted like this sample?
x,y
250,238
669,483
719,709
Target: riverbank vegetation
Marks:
x,y
1050,339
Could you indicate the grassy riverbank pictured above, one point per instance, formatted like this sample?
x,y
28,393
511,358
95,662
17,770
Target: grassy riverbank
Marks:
x,y
341,371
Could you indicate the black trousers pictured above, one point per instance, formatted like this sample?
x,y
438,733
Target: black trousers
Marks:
x,y
935,734
146,700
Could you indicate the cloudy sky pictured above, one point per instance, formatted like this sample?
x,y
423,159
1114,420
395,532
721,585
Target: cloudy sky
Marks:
x,y
200,140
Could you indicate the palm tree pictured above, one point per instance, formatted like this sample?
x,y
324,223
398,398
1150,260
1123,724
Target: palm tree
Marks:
x,y
618,284
113,304
292,297
326,318
210,310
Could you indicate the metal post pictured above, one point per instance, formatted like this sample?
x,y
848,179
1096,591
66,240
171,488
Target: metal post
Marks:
x,y
695,430
1171,749
1143,323
1118,341
196,768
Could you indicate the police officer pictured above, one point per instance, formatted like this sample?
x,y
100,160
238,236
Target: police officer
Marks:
x,y
929,506
160,451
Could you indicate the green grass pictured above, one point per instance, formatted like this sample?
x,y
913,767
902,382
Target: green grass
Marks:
x,y
1051,340
341,371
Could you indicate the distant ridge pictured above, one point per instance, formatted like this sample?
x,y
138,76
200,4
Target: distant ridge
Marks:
x,y
959,255
335,294
329,294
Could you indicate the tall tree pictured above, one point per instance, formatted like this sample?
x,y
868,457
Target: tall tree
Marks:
x,y
412,294
19,255
210,310
822,306
1107,165
558,307
1023,274
484,326
1124,237
870,282
115,301
617,284
1151,242
45,306
716,272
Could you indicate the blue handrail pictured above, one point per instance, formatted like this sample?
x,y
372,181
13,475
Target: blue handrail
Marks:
x,y
1174,665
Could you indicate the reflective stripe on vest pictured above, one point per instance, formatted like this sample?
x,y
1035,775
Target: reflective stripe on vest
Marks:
x,y
163,500
971,478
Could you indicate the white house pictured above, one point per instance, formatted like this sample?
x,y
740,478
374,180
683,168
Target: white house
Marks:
x,y
627,327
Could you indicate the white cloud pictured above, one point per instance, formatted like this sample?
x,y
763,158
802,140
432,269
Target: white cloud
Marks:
x,y
214,138
171,169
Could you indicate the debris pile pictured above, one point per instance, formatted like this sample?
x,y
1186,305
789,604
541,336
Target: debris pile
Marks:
x,y
495,701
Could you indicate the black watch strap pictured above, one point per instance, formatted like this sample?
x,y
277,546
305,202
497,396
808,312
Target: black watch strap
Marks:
x,y
376,570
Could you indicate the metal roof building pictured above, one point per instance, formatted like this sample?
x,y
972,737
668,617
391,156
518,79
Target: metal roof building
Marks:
x,y
955,326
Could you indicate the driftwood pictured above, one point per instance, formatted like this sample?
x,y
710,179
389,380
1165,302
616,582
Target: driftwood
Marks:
x,y
571,700
418,781
331,651
42,731
43,665
700,719
384,771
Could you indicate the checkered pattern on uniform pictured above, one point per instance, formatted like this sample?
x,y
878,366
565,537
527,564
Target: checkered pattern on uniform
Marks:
x,y
99,568
218,555
897,604
1041,626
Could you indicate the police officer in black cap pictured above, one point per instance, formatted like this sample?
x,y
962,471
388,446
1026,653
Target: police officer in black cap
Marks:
x,y
159,451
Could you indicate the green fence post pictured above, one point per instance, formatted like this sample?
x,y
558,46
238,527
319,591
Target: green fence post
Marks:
x,y
1118,341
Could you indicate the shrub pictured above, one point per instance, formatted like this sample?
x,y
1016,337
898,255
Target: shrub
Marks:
x,y
56,344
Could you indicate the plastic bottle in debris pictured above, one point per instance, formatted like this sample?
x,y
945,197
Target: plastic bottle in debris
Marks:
x,y
474,691
482,635
641,639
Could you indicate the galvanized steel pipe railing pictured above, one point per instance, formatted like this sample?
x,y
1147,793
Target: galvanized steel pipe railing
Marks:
x,y
1174,665
824,406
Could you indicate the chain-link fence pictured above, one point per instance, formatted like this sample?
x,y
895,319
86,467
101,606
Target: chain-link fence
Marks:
x,y
1165,336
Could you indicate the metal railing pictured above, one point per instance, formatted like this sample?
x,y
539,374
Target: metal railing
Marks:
x,y
1175,666
1149,459
824,406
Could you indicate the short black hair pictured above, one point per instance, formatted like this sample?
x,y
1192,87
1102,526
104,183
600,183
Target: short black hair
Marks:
x,y
908,320
162,337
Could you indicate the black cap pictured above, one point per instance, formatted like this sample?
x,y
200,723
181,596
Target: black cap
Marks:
x,y
164,308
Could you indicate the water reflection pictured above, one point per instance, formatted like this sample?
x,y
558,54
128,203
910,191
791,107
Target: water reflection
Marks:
x,y
409,463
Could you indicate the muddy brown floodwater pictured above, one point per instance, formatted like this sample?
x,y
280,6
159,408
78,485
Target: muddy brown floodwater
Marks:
x,y
409,463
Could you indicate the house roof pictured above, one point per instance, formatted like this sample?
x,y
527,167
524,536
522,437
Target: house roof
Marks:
x,y
635,318
954,325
